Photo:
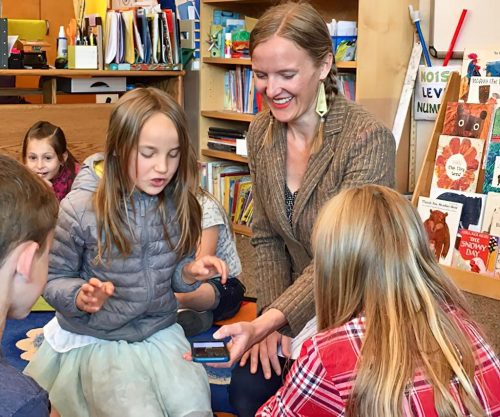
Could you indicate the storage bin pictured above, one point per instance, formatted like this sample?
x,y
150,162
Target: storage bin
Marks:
x,y
92,85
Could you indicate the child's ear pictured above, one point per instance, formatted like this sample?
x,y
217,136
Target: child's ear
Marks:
x,y
25,258
65,156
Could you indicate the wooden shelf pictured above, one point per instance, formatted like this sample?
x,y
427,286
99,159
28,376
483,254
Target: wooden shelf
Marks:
x,y
226,61
234,1
343,65
89,73
474,283
242,230
224,155
228,115
347,65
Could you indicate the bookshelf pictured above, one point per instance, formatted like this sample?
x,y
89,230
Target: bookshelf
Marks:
x,y
228,156
467,281
383,49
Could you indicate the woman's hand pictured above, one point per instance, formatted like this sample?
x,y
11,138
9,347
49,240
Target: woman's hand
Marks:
x,y
205,268
267,352
93,295
242,336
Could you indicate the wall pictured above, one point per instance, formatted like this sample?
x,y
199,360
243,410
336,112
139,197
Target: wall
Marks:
x,y
424,128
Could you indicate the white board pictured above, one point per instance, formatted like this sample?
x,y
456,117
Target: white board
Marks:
x,y
479,27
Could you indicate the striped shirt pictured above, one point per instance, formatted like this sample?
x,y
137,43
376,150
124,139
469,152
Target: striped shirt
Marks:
x,y
321,379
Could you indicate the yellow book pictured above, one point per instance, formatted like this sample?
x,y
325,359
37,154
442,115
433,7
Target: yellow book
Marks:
x,y
243,191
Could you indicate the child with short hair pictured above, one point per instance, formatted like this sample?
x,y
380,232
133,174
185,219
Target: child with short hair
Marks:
x,y
28,214
120,251
213,301
45,152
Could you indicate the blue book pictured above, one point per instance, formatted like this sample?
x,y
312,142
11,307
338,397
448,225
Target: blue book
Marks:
x,y
492,169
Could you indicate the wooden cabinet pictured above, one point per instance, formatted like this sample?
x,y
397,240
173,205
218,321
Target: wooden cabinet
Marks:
x,y
84,124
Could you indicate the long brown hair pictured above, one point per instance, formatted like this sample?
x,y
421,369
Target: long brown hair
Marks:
x,y
300,23
57,139
127,119
372,257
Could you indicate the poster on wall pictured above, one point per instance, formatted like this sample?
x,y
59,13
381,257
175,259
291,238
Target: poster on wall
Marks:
x,y
429,90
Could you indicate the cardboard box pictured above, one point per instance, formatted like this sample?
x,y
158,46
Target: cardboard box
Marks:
x,y
92,85
82,57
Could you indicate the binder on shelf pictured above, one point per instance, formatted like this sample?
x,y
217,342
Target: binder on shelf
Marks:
x,y
4,44
141,37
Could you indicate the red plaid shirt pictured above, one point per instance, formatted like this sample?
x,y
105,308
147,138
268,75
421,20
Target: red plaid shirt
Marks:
x,y
321,379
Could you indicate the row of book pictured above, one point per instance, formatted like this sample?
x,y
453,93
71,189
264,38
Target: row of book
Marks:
x,y
239,91
225,139
231,185
346,83
463,229
146,35
462,213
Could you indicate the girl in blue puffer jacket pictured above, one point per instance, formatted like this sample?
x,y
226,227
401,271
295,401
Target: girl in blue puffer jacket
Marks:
x,y
124,242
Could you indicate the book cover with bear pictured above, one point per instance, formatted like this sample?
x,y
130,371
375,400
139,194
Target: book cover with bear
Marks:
x,y
472,210
470,120
475,252
457,163
441,219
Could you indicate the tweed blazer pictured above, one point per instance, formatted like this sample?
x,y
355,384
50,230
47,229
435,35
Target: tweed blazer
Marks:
x,y
357,149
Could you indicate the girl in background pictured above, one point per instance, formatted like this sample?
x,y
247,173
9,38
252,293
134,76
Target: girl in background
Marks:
x,y
213,301
395,338
45,153
120,251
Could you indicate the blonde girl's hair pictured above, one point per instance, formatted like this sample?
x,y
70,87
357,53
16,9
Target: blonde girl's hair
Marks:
x,y
57,139
115,188
300,23
372,257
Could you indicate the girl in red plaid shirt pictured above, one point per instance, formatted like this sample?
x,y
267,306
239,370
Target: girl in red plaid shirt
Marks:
x,y
395,338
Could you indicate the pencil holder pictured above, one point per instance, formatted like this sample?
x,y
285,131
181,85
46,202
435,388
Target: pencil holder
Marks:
x,y
82,57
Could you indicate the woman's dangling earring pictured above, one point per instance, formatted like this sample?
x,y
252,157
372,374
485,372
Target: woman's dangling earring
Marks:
x,y
321,107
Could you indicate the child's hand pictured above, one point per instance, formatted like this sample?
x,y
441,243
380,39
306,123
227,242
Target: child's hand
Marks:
x,y
205,268
93,295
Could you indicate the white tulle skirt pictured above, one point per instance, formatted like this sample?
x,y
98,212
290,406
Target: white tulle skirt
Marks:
x,y
121,379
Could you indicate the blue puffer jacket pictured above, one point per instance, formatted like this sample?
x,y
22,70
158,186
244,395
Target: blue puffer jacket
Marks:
x,y
145,281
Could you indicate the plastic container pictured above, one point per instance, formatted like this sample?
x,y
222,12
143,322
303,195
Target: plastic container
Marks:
x,y
62,44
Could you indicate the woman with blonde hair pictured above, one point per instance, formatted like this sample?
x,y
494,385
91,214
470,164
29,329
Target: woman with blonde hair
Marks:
x,y
395,338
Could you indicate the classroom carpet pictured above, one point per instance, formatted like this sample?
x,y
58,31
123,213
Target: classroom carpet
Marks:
x,y
22,338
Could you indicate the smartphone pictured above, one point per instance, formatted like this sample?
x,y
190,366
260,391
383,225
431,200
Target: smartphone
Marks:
x,y
209,351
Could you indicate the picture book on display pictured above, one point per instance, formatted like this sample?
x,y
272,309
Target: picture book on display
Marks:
x,y
492,168
484,89
491,219
478,63
441,220
457,163
475,252
469,120
473,205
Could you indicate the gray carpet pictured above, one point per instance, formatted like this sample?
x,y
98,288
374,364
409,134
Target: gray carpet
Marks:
x,y
485,311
